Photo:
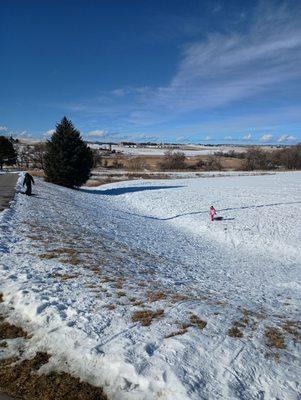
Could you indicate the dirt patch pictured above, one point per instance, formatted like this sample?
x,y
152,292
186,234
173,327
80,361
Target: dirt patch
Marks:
x,y
146,316
274,338
20,380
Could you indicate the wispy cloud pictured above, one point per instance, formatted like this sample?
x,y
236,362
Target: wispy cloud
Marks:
x,y
286,138
219,73
3,129
247,137
98,133
266,138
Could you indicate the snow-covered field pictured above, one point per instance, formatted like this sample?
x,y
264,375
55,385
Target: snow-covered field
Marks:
x,y
188,151
81,271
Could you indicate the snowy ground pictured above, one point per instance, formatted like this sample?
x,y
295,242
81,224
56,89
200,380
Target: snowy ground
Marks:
x,y
189,151
77,265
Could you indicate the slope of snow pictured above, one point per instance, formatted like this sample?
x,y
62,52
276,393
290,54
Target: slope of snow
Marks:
x,y
76,265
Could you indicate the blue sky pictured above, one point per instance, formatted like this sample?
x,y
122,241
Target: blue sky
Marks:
x,y
169,70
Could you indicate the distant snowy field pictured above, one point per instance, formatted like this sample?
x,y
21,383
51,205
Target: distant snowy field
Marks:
x,y
195,151
77,266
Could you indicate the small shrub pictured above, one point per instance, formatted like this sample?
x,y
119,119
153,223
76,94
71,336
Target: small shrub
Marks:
x,y
173,161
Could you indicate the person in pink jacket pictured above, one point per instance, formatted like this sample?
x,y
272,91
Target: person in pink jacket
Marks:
x,y
212,213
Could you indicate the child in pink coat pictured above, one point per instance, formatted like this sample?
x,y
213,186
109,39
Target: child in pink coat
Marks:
x,y
212,213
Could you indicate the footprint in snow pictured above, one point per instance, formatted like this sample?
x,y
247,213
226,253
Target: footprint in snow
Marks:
x,y
150,348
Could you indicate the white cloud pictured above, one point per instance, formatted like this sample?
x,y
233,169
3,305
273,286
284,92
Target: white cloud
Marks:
x,y
49,133
228,137
266,138
247,137
286,138
3,129
24,134
98,133
207,138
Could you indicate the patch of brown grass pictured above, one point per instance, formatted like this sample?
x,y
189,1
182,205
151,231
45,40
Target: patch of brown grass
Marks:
x,y
9,331
156,296
146,316
176,333
234,331
179,297
20,380
121,294
197,322
293,328
63,277
274,338
138,303
48,256
110,306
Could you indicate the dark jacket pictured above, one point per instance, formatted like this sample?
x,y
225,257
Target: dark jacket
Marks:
x,y
28,179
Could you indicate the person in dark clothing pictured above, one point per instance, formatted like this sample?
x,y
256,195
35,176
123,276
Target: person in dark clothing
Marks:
x,y
28,180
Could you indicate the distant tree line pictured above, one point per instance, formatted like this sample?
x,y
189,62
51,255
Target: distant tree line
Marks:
x,y
285,158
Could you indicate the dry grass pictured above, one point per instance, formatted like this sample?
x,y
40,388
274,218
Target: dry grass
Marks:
x,y
197,322
274,338
138,303
146,316
176,333
293,328
234,331
118,284
155,296
179,297
20,380
63,277
9,331
109,306
121,294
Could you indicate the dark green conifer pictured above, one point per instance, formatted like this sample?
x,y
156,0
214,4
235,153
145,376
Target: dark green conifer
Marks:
x,y
68,160
7,152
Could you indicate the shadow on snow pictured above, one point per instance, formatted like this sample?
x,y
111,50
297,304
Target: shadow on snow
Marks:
x,y
129,189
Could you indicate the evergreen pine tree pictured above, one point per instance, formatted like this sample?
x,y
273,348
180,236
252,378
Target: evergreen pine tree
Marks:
x,y
7,152
68,160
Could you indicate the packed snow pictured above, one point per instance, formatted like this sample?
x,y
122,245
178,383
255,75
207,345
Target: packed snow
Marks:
x,y
77,266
